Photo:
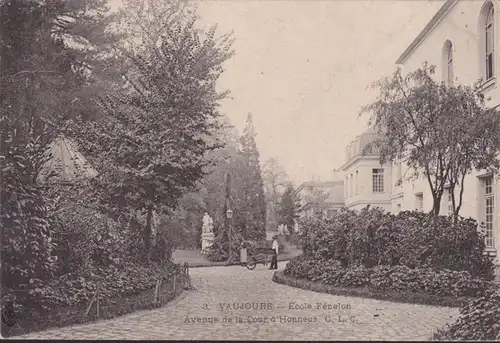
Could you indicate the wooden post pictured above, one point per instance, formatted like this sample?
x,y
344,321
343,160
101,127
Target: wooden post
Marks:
x,y
175,276
157,290
97,299
91,302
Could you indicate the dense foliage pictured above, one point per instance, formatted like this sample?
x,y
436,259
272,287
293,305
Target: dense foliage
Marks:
x,y
254,225
143,116
442,132
443,282
275,181
289,208
413,239
479,320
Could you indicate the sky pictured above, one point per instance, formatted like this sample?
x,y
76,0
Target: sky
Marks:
x,y
303,67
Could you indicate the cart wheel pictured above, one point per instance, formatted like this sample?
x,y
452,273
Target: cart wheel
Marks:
x,y
251,264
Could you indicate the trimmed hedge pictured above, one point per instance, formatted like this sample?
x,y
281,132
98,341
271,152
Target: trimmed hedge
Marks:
x,y
372,238
426,280
479,320
371,293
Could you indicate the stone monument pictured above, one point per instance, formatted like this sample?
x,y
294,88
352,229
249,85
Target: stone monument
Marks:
x,y
207,233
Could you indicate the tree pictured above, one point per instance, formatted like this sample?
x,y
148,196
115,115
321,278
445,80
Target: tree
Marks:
x,y
144,22
254,226
289,207
48,48
473,137
150,146
275,180
441,132
316,199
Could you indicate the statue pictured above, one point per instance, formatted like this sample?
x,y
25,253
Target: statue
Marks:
x,y
207,236
206,222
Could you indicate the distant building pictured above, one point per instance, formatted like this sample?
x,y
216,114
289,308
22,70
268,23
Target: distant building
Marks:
x,y
366,181
322,198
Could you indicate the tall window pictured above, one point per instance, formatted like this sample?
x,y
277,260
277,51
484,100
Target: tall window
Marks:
x,y
448,52
450,201
378,180
352,186
420,201
357,187
489,207
347,186
489,44
450,66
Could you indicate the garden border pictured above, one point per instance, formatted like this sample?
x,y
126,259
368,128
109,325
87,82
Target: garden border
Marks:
x,y
364,292
115,307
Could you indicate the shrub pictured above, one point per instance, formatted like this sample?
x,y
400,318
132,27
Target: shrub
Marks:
x,y
426,280
76,290
478,320
28,219
413,239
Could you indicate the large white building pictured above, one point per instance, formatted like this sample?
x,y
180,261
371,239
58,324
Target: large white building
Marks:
x,y
366,182
462,41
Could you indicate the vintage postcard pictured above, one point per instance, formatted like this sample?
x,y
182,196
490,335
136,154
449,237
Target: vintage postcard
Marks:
x,y
252,170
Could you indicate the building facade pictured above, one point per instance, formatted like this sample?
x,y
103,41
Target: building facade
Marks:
x,y
462,41
366,181
322,198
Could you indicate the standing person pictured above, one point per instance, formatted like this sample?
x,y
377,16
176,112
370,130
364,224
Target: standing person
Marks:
x,y
243,254
274,261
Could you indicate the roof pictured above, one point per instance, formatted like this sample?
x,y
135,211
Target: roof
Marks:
x,y
427,29
319,184
66,163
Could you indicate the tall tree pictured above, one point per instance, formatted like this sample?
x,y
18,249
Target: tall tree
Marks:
x,y
275,180
150,147
254,226
289,207
48,49
442,132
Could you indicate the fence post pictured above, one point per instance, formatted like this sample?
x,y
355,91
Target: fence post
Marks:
x,y
187,275
91,301
157,290
175,281
97,298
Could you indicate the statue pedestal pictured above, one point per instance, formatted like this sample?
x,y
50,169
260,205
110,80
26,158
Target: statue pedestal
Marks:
x,y
207,239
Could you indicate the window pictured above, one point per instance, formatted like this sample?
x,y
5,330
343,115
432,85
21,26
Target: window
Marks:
x,y
378,180
450,66
420,201
399,174
352,186
489,44
489,209
450,201
357,189
448,63
346,187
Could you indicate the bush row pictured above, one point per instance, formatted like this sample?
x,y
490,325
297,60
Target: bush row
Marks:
x,y
74,290
426,280
479,320
414,239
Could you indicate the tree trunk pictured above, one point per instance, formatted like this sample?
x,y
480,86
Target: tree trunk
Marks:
x,y
436,206
148,231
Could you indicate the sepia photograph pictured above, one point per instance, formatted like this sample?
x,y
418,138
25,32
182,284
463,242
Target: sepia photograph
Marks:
x,y
250,170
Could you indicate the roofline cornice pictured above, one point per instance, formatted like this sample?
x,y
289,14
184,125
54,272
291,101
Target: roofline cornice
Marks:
x,y
357,158
436,19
